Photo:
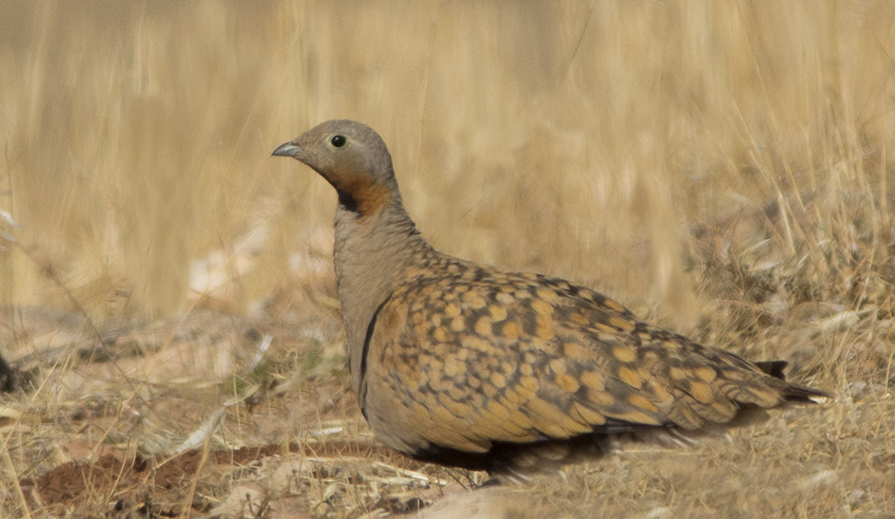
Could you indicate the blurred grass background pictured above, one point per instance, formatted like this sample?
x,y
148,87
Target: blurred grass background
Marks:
x,y
582,139
725,168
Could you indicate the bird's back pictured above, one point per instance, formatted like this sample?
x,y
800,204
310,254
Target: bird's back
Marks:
x,y
466,359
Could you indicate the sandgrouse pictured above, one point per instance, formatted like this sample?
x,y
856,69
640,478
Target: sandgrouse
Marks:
x,y
466,365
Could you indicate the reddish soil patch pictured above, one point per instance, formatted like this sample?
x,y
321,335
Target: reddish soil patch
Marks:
x,y
123,483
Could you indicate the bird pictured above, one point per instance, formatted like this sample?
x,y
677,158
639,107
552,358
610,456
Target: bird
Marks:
x,y
469,366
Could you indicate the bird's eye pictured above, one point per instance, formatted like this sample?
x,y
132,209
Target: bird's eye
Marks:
x,y
338,141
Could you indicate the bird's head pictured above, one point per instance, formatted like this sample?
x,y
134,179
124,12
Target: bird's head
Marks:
x,y
350,156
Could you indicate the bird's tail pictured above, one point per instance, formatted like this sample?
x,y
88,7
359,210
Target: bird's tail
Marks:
x,y
794,392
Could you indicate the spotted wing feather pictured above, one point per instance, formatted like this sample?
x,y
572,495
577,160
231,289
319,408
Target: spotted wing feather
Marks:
x,y
477,357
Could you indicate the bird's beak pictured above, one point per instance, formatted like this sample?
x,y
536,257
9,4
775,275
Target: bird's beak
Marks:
x,y
290,149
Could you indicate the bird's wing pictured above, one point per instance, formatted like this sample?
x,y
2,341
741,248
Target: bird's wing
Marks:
x,y
520,358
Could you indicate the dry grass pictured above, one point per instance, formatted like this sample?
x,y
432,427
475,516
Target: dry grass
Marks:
x,y
724,168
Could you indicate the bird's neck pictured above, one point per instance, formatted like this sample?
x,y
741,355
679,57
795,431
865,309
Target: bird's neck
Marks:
x,y
371,252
